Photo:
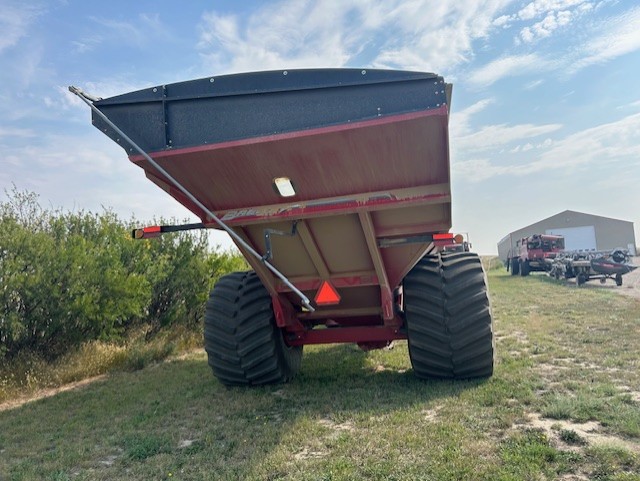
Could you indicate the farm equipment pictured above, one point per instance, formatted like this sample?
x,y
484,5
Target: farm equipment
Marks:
x,y
334,184
534,253
586,266
457,244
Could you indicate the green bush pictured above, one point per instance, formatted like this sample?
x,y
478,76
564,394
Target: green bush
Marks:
x,y
66,278
182,270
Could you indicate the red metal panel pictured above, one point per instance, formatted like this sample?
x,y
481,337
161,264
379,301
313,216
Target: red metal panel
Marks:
x,y
386,153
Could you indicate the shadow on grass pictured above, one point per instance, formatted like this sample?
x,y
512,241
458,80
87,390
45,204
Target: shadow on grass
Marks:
x,y
340,373
175,417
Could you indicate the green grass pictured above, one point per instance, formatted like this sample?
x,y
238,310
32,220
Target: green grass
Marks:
x,y
29,373
566,355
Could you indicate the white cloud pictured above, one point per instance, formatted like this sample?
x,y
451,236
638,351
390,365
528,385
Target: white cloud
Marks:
x,y
295,36
553,14
607,143
28,69
539,8
15,19
125,32
617,36
86,44
465,140
492,136
140,32
416,34
89,171
477,170
16,132
459,125
533,84
71,154
436,38
547,26
522,148
62,99
70,167
507,67
615,143
502,21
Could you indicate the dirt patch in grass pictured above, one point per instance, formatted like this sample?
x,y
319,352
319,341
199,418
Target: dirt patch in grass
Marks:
x,y
337,427
573,477
573,436
318,447
307,453
519,336
110,460
633,395
45,393
430,415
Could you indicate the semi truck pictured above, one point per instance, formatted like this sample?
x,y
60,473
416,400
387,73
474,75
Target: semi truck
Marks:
x,y
335,186
532,253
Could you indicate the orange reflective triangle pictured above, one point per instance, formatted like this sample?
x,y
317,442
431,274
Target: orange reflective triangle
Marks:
x,y
327,295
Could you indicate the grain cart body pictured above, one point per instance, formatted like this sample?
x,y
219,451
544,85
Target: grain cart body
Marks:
x,y
338,177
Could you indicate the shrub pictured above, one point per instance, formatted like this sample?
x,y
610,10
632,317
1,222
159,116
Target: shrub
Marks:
x,y
67,277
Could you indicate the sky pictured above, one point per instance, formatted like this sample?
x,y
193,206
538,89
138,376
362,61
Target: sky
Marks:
x,y
545,113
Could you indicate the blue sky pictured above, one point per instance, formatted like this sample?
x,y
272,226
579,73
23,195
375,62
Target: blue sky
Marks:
x,y
545,111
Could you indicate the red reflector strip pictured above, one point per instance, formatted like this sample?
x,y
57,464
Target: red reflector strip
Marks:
x,y
446,236
151,230
327,295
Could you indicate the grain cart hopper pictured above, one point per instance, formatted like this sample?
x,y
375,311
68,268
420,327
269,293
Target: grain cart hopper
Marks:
x,y
334,184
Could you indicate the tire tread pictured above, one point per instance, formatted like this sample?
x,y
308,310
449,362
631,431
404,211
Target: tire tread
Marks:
x,y
243,344
449,320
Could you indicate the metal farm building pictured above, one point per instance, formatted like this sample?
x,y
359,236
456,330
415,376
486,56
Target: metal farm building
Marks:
x,y
581,231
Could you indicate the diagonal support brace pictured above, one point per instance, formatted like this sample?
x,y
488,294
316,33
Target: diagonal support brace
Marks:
x,y
88,99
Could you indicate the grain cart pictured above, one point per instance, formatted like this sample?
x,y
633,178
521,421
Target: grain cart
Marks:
x,y
334,184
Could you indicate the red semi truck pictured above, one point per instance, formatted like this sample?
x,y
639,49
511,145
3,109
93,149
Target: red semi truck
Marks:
x,y
533,253
335,185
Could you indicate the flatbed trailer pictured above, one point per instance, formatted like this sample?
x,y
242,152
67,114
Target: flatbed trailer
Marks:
x,y
591,265
335,186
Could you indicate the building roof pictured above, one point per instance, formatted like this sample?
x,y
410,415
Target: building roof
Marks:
x,y
565,213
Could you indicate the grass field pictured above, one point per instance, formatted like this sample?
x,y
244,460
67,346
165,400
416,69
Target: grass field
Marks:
x,y
564,403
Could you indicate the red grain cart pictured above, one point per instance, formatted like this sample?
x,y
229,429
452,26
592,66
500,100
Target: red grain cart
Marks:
x,y
334,184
